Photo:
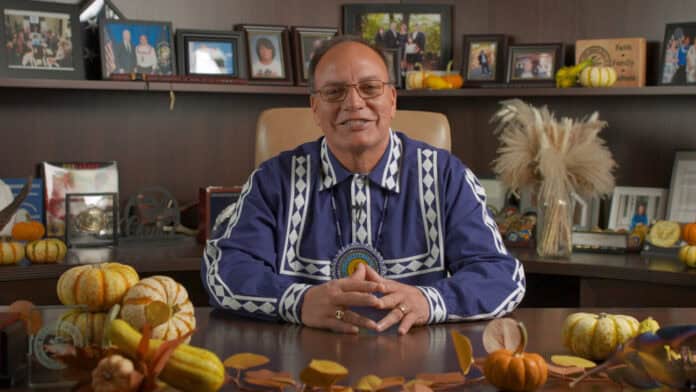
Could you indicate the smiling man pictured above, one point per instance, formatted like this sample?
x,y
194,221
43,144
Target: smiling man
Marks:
x,y
362,218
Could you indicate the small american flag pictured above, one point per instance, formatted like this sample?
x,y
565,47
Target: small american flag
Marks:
x,y
109,57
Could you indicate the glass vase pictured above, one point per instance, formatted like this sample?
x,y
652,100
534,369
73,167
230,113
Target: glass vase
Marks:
x,y
554,226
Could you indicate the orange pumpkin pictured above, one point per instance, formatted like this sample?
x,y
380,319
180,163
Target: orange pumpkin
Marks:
x,y
454,79
99,286
689,233
166,290
28,231
516,371
11,252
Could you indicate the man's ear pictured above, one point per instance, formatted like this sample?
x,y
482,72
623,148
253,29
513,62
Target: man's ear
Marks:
x,y
393,108
314,104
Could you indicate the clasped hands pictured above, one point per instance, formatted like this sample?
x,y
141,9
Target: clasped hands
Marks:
x,y
327,305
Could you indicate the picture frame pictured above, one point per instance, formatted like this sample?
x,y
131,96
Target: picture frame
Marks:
x,y
150,48
92,15
92,11
217,54
483,59
422,31
585,212
91,219
632,205
212,200
41,40
681,206
393,57
678,55
272,43
534,64
304,41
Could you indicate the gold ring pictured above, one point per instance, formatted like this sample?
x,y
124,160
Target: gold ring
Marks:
x,y
403,308
339,314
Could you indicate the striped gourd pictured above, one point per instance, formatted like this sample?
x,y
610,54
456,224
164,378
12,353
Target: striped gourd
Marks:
x,y
598,76
164,289
11,252
99,286
90,324
49,250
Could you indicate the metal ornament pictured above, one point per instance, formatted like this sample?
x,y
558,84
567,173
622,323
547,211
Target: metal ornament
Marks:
x,y
349,257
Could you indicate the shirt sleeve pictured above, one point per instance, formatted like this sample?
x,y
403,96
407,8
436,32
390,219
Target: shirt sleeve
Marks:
x,y
486,281
239,269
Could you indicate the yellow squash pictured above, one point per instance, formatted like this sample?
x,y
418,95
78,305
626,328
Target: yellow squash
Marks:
x,y
595,336
189,368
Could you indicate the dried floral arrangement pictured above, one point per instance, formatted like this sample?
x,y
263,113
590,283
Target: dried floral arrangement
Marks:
x,y
558,157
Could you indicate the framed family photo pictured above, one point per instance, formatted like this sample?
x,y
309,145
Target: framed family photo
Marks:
x,y
136,47
211,53
678,56
40,40
422,32
483,59
682,192
633,205
268,53
305,41
534,64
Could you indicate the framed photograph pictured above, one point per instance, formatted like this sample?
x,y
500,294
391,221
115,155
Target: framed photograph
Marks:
x,y
585,212
141,47
534,64
678,56
268,53
40,40
682,191
632,205
211,53
393,65
305,41
423,32
90,219
483,59
92,14
212,201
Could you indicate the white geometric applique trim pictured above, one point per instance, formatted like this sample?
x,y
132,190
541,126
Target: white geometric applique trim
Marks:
x,y
438,310
429,198
480,194
212,255
287,308
390,175
292,264
328,175
360,209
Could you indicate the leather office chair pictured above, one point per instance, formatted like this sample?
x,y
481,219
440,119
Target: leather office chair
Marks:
x,y
283,129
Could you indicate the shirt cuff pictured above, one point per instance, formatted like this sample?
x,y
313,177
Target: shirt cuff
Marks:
x,y
438,310
290,306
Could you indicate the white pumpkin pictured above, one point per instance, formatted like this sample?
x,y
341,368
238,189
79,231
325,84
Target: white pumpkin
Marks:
x,y
598,76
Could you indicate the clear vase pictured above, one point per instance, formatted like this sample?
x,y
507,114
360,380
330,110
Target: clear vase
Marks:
x,y
554,226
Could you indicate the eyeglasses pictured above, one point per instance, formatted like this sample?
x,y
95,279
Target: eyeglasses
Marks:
x,y
337,92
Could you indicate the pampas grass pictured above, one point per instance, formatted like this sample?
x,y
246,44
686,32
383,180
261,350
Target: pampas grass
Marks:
x,y
557,156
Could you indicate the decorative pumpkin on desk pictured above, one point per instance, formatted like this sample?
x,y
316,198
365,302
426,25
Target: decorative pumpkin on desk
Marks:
x,y
11,252
598,76
99,286
595,337
49,250
689,233
518,370
28,231
90,324
164,289
687,254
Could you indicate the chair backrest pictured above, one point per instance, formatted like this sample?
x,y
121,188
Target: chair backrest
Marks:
x,y
283,129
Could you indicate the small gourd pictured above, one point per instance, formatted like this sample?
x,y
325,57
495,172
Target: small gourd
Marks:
x,y
49,250
518,370
687,254
598,76
99,286
11,252
596,336
115,374
28,231
689,233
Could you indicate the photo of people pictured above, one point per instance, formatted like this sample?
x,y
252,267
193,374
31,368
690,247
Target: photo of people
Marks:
x,y
482,60
131,47
38,40
679,57
532,64
417,35
631,206
311,42
266,55
211,58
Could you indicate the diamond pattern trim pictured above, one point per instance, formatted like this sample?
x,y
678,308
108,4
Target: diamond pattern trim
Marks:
x,y
287,308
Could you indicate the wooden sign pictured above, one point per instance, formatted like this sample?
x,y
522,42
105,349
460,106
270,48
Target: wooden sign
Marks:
x,y
626,55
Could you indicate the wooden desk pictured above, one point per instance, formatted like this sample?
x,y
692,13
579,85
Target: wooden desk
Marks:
x,y
425,349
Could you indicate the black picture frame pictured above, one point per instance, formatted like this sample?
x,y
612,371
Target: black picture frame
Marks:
x,y
40,55
117,60
224,40
302,36
360,19
671,71
91,219
394,57
529,64
91,11
491,73
270,37
92,14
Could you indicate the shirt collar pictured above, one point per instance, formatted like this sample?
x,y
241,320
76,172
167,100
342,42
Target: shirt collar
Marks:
x,y
385,174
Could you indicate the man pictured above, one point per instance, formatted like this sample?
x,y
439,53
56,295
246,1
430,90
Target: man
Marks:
x,y
125,54
419,40
295,245
392,37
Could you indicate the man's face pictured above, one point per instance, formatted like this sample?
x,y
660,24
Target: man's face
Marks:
x,y
126,36
355,124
